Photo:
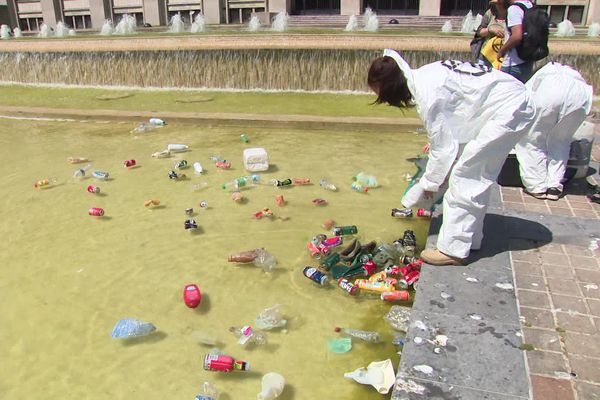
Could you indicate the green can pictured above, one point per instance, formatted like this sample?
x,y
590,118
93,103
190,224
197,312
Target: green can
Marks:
x,y
345,230
181,164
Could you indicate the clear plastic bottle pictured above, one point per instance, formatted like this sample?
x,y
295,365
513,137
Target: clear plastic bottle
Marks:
x,y
217,158
271,318
80,173
367,336
365,179
246,335
357,187
198,168
240,182
157,122
208,391
142,128
327,185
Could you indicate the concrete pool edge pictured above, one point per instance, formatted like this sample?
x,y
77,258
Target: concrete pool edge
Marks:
x,y
228,119
484,357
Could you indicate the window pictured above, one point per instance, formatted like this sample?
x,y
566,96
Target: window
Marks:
x,y
557,14
30,24
576,14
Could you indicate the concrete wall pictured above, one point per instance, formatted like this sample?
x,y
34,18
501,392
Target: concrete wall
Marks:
x,y
51,11
4,19
212,12
593,12
276,6
430,8
99,12
155,12
351,7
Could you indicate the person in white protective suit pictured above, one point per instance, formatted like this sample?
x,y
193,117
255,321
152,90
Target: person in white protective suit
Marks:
x,y
483,109
563,99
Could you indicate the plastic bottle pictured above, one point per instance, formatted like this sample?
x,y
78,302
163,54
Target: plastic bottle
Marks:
x,y
157,122
244,138
265,260
80,173
176,147
224,363
100,175
271,386
240,182
364,179
327,185
367,336
357,187
270,318
246,335
217,158
142,128
162,154
198,168
207,392
45,182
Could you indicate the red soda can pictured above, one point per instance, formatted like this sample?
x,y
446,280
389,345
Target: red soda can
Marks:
x,y
415,265
223,165
348,286
96,212
396,295
391,281
409,279
279,200
93,189
301,181
421,212
369,267
322,248
129,163
217,362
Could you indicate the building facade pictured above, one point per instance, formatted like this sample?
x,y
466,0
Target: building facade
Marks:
x,y
91,14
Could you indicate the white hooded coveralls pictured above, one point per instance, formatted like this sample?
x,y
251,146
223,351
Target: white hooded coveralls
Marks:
x,y
486,110
562,100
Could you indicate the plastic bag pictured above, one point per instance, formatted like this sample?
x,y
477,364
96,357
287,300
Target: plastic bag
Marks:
x,y
129,327
398,317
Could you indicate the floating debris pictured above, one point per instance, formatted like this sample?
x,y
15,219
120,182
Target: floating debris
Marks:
x,y
594,245
409,386
426,369
441,340
476,317
418,340
446,296
420,325
472,280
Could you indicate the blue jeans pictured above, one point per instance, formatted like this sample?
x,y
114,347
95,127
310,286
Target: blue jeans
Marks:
x,y
521,71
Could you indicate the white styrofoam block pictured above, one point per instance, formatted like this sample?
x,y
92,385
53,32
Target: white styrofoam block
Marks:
x,y
256,159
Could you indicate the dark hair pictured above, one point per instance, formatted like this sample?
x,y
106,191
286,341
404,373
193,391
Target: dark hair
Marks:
x,y
390,82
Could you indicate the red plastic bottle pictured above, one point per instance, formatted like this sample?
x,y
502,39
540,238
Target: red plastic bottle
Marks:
x,y
191,295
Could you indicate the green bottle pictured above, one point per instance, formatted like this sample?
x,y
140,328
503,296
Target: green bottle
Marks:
x,y
330,261
345,230
244,138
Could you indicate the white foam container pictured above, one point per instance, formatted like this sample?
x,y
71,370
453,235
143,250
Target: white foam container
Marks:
x,y
256,159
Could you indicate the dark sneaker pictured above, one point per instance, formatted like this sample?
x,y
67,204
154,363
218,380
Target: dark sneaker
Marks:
x,y
553,194
540,196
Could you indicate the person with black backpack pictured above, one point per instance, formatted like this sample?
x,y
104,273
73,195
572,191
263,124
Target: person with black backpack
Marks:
x,y
527,39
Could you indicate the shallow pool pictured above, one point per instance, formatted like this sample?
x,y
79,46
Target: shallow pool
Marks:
x,y
66,277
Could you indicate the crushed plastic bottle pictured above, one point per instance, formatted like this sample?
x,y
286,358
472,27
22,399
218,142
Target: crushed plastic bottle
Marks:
x,y
143,128
366,180
247,335
270,318
241,182
198,168
46,182
398,317
327,185
208,391
265,260
129,328
367,336
357,187
80,173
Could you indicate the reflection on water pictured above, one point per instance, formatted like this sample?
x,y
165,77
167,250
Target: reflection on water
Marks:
x,y
66,277
232,69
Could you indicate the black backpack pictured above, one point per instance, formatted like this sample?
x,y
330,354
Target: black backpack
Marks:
x,y
534,45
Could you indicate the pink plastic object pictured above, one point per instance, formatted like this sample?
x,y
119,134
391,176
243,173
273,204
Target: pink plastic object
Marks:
x,y
191,295
332,241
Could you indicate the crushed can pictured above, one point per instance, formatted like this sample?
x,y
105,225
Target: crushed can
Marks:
x,y
415,265
345,230
190,225
369,267
223,363
93,189
409,260
96,212
223,165
285,182
181,164
129,163
410,279
348,286
301,181
421,212
333,241
315,275
402,212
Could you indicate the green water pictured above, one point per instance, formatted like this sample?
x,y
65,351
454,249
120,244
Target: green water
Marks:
x,y
66,277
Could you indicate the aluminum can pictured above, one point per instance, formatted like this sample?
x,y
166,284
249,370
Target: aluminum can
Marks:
x,y
402,212
223,165
410,279
348,286
315,275
345,230
190,225
301,181
96,212
421,212
285,182
93,189
181,164
369,267
279,200
219,362
129,163
189,211
100,175
396,295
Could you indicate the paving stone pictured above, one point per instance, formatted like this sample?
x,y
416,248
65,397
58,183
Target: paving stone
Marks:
x,y
551,248
594,307
575,323
582,344
529,282
566,212
554,259
535,317
542,339
562,286
530,298
442,391
587,369
527,268
568,303
586,214
586,275
587,391
577,251
544,388
584,262
577,206
514,206
531,257
558,271
545,362
544,209
512,198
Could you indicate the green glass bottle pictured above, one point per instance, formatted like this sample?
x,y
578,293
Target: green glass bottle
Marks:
x,y
345,230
